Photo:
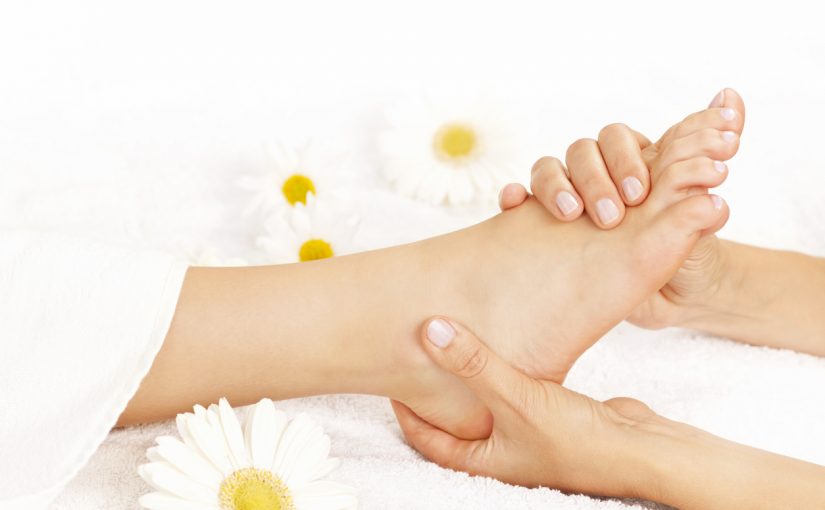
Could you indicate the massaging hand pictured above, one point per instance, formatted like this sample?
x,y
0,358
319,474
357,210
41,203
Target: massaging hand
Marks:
x,y
543,434
605,176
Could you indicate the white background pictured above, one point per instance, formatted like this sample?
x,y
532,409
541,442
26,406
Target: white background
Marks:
x,y
135,117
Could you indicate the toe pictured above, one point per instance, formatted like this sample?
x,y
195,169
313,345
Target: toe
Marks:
x,y
686,178
676,229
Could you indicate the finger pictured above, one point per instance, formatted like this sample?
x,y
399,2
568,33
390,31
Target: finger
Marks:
x,y
512,195
433,443
551,186
458,351
716,145
590,178
622,154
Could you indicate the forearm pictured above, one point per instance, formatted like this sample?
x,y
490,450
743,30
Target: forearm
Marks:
x,y
690,468
767,297
332,326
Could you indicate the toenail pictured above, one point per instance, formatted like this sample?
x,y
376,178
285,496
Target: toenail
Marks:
x,y
632,188
567,202
440,333
728,136
607,211
718,100
728,113
717,202
720,167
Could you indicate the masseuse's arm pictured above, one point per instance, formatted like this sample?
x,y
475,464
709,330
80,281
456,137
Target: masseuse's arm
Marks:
x,y
546,435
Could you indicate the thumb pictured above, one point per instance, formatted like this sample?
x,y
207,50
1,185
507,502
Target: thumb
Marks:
x,y
457,350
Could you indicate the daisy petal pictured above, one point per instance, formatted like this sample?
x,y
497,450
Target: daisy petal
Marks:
x,y
211,443
163,501
310,461
301,436
325,468
233,434
164,477
264,426
187,461
325,495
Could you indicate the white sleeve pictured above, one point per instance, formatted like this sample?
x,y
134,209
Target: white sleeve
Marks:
x,y
80,324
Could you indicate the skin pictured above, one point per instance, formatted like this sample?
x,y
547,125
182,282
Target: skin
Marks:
x,y
349,324
546,435
728,289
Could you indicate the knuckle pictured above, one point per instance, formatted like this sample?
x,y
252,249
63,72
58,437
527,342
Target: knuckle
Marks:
x,y
470,362
545,162
580,144
613,129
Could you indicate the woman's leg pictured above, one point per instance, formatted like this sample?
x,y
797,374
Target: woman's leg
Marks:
x,y
545,290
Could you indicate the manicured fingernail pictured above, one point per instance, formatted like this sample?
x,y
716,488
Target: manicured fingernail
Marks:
x,y
567,202
718,100
632,188
717,201
727,113
440,333
607,211
720,167
728,136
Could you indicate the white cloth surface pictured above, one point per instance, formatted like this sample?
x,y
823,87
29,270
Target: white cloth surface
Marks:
x,y
128,124
81,323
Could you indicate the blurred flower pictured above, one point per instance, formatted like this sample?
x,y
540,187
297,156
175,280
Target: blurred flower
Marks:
x,y
311,231
453,149
272,463
290,175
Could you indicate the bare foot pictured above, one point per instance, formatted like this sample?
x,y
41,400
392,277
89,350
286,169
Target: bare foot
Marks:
x,y
544,291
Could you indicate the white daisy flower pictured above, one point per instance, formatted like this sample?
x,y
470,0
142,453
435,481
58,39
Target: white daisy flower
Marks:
x,y
290,174
272,464
454,149
307,232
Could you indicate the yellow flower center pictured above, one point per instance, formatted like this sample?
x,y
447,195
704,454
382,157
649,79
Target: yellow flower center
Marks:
x,y
296,187
254,489
315,249
454,141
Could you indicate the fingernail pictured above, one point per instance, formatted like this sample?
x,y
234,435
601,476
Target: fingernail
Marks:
x,y
440,333
727,113
718,100
607,211
728,136
720,167
567,202
632,188
717,202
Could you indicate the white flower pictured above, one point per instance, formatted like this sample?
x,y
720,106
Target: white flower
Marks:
x,y
289,175
271,464
308,232
453,149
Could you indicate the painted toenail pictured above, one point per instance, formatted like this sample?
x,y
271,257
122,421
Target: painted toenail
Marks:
x,y
440,333
728,136
632,188
717,202
720,167
728,113
718,100
567,202
607,211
